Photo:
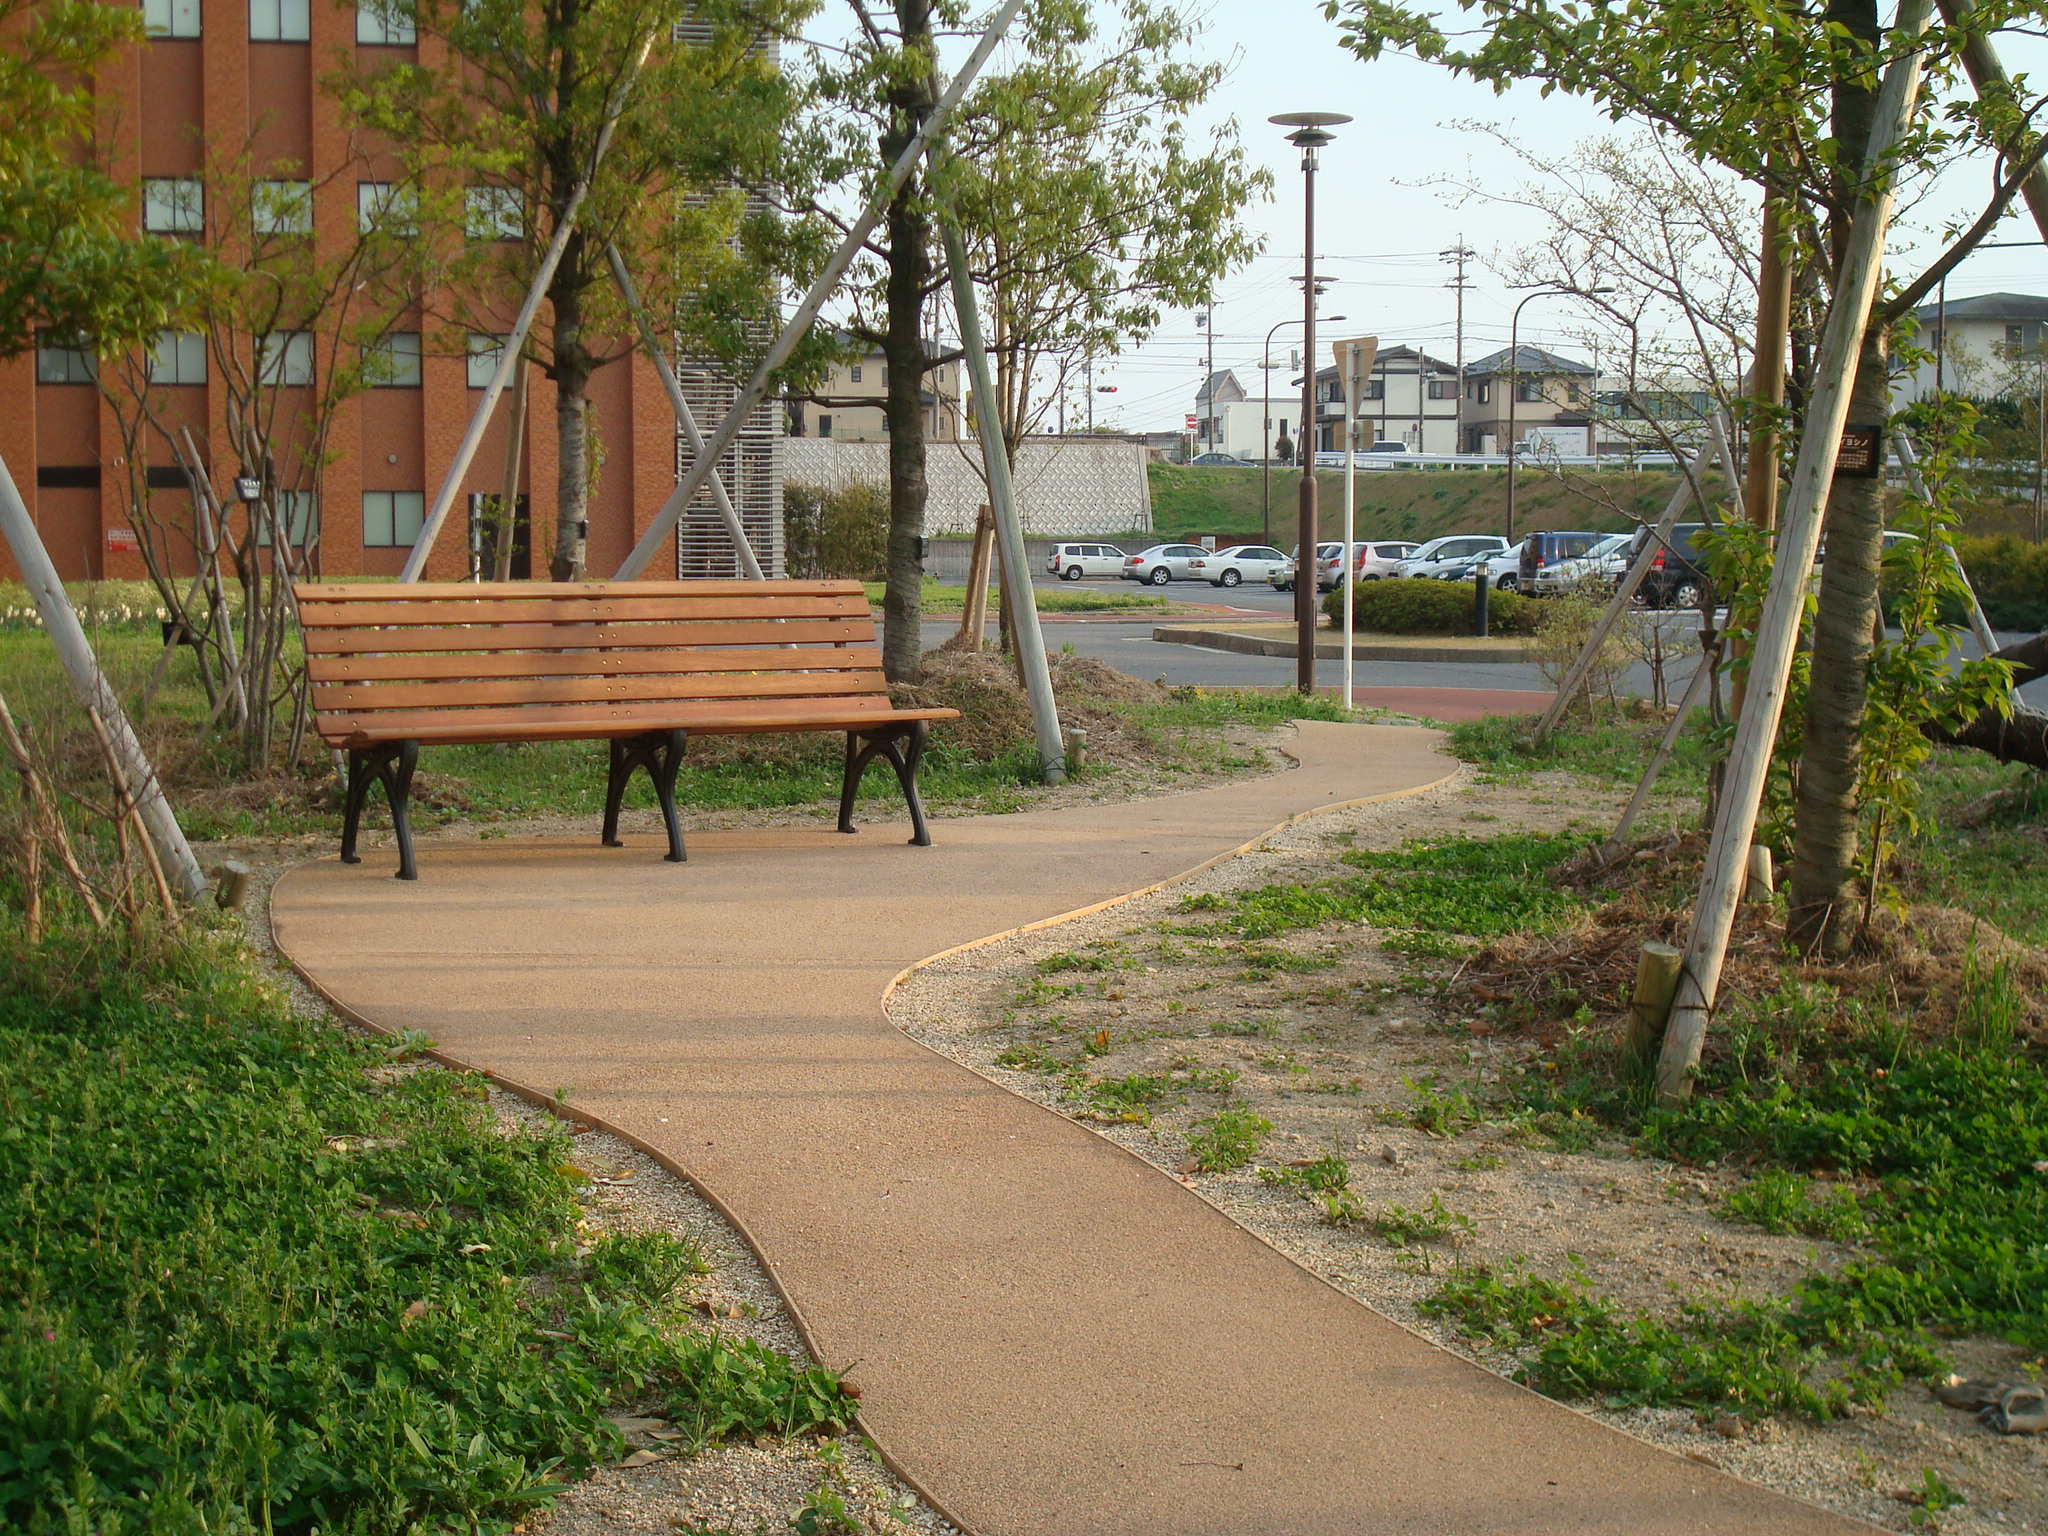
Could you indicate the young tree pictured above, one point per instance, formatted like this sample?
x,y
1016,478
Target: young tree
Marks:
x,y
1783,95
513,116
71,260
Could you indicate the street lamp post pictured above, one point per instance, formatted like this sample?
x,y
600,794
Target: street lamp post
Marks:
x,y
1311,133
1514,381
1266,414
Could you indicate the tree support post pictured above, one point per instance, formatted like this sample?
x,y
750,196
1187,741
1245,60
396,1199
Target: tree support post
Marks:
x,y
1020,603
822,288
974,610
743,549
1624,593
60,622
1777,630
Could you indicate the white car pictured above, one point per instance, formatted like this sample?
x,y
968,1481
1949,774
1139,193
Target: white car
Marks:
x,y
1503,568
1070,562
1241,562
1162,563
1599,566
1451,554
1380,560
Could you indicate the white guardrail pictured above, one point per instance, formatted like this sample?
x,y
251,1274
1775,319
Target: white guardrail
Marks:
x,y
1365,461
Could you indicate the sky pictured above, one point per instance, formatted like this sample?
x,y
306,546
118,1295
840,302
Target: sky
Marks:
x,y
1380,226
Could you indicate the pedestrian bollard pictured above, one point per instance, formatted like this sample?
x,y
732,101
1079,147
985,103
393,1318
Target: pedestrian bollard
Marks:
x,y
1479,613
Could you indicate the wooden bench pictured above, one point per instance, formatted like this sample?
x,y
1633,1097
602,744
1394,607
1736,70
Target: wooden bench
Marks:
x,y
641,663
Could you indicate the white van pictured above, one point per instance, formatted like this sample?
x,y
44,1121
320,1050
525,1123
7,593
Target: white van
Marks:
x,y
1070,562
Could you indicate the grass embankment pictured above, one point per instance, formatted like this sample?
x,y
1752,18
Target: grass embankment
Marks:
x,y
1405,504
1909,1122
261,1275
939,599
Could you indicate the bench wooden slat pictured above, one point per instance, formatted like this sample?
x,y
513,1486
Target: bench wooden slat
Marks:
x,y
553,722
417,591
525,610
356,698
438,667
587,636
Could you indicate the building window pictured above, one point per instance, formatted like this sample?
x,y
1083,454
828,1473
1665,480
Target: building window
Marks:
x,y
170,18
281,207
2015,335
393,519
386,23
854,373
394,362
279,21
299,512
824,426
484,352
1443,389
285,358
64,360
179,357
173,205
493,213
387,206
1529,391
1482,392
1373,389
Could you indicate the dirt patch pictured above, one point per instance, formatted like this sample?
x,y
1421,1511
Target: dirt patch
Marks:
x,y
1140,1023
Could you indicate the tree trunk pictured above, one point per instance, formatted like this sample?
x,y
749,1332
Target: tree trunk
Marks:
x,y
1822,913
904,357
571,373
2020,739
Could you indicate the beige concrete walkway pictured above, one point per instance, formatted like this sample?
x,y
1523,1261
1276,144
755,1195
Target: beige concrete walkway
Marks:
x,y
1052,1338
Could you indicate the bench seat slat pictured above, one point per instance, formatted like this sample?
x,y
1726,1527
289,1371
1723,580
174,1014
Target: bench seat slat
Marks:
x,y
434,668
587,636
542,610
578,722
356,698
415,591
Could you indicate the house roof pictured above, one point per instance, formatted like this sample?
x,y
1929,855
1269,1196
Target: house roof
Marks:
x,y
1527,359
1988,306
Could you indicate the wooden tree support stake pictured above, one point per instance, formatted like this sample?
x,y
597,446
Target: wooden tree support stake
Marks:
x,y
1656,984
1762,879
234,886
974,609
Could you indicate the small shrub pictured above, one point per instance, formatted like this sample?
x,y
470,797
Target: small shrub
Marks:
x,y
842,531
1563,629
1227,1139
1418,606
1400,1226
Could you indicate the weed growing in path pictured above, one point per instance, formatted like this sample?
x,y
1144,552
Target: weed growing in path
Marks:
x,y
1227,1139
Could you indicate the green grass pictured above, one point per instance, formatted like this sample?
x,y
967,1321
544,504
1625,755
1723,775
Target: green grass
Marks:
x,y
1614,752
1995,866
1227,1139
253,1283
1445,889
940,599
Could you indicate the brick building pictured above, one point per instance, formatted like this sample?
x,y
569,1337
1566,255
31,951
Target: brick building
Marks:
x,y
227,72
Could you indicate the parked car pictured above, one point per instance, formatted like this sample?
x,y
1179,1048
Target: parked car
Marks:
x,y
1240,562
1388,445
1380,560
1450,554
1218,460
1070,562
1162,563
1283,579
1503,568
1541,551
1600,566
1677,577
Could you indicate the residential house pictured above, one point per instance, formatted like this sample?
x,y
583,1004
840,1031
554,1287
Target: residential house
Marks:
x,y
1553,402
848,404
1411,399
1979,338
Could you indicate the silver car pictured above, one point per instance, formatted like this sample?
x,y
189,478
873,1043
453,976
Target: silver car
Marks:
x,y
1239,563
1162,563
1450,555
1599,566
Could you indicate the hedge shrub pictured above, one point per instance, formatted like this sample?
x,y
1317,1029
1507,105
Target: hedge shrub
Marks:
x,y
2011,578
1420,606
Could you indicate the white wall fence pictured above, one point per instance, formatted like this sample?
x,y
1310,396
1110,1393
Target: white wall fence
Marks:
x,y
1066,487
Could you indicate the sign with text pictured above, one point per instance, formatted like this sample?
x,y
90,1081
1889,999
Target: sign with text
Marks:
x,y
1861,456
123,540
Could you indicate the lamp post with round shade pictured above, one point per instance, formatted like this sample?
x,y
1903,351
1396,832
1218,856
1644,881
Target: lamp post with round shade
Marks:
x,y
1311,133
1515,383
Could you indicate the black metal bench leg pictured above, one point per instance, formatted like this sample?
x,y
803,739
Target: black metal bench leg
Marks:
x,y
615,789
860,751
390,764
661,754
663,762
905,761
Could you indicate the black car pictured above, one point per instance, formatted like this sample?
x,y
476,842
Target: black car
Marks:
x,y
1540,550
1677,577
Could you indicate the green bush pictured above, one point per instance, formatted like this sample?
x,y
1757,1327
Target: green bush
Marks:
x,y
256,1277
2011,578
1418,606
841,532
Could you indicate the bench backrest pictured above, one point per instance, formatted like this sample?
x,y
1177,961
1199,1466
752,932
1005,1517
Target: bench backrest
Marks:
x,y
488,661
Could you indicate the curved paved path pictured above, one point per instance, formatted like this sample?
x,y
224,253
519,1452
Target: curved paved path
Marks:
x,y
1052,1337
